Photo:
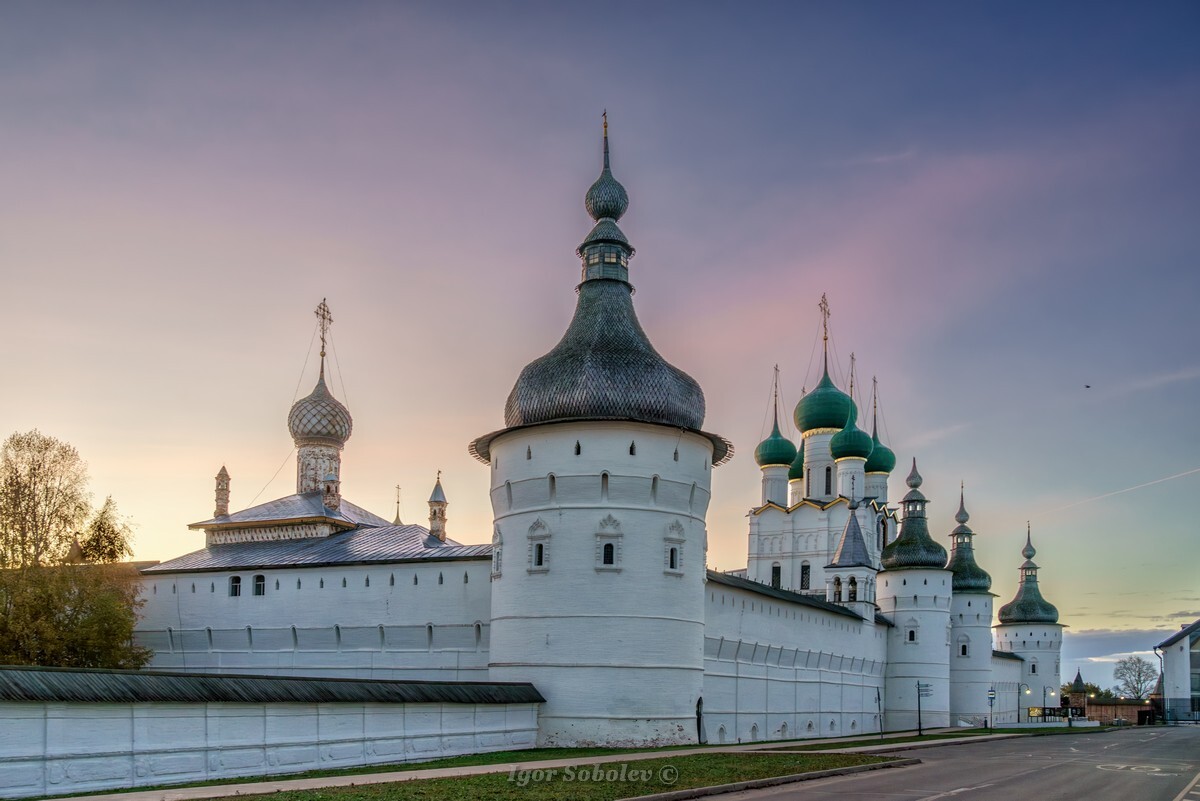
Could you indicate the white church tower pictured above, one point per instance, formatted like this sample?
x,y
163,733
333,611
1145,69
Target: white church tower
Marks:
x,y
914,592
1030,629
599,487
970,627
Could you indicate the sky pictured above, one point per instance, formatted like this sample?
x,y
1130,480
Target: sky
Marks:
x,y
999,199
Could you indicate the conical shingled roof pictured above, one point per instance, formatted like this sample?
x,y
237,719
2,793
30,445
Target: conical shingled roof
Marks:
x,y
1028,606
968,575
914,548
852,551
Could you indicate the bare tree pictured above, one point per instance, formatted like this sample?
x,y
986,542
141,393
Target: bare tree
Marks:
x,y
1135,676
44,500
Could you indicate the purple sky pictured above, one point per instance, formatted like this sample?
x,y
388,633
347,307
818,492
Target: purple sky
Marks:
x,y
1000,199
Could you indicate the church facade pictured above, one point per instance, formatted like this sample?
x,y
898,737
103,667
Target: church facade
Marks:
x,y
848,618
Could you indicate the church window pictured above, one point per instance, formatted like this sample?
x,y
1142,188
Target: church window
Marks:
x,y
837,590
429,636
553,488
478,634
604,486
1033,668
609,554
539,555
828,480
578,448
633,449
337,636
654,490
508,493
805,576
235,586
776,575
853,590
673,559
912,635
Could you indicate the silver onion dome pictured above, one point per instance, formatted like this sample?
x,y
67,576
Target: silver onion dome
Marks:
x,y
320,417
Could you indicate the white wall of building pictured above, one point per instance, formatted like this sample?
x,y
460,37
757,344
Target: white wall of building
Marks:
x,y
775,669
54,748
917,601
422,620
1040,646
1181,677
970,672
615,649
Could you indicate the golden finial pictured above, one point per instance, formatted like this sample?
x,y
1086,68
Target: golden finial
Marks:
x,y
824,307
852,374
324,320
777,395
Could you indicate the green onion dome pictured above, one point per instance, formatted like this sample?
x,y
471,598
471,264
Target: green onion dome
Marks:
x,y
882,459
1028,606
851,442
796,471
825,407
914,548
775,451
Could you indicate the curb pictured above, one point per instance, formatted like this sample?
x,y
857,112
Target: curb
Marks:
x,y
771,781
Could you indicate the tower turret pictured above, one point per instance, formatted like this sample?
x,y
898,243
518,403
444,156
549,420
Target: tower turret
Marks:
x,y
850,577
1030,629
437,510
914,591
222,507
970,626
601,482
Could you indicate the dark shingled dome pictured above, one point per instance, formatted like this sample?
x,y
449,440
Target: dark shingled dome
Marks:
x,y
914,548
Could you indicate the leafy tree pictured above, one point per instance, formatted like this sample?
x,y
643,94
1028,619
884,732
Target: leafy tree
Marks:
x,y
43,499
1135,676
1093,692
51,612
70,616
107,536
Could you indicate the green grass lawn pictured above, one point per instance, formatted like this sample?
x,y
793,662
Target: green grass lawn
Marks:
x,y
643,777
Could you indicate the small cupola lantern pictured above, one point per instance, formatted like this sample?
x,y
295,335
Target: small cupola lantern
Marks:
x,y
222,506
437,510
331,492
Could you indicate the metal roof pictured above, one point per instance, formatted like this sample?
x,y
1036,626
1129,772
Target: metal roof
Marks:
x,y
55,685
302,506
374,545
852,552
780,594
1179,635
1007,655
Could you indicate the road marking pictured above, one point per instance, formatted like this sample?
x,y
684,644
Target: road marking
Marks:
x,y
1190,789
949,793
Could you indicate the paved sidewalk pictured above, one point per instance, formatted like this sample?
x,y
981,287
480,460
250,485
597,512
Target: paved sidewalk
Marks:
x,y
258,786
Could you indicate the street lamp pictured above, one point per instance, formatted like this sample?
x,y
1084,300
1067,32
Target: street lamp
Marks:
x,y
1027,692
1044,688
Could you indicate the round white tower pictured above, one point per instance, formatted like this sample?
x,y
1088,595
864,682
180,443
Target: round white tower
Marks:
x,y
599,488
1030,629
970,628
913,591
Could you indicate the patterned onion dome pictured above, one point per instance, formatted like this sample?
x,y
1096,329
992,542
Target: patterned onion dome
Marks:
x,y
606,197
796,471
968,575
1028,606
913,548
775,451
882,459
320,417
851,441
825,407
604,368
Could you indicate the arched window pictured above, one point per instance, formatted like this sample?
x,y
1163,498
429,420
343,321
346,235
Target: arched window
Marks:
x,y
837,590
673,559
912,635
852,592
539,555
754,733
610,554
508,493
654,490
828,480
553,488
260,584
604,486
235,586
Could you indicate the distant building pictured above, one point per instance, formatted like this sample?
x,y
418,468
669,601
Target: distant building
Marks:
x,y
1181,673
848,618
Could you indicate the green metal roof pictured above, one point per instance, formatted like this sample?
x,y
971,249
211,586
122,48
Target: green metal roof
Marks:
x,y
797,469
851,441
775,451
825,407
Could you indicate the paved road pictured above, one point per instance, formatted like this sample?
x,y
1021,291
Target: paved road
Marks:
x,y
1130,765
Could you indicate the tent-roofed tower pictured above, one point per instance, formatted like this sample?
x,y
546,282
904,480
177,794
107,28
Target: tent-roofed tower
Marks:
x,y
1030,629
599,487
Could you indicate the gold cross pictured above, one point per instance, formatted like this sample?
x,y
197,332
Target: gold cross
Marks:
x,y
324,320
